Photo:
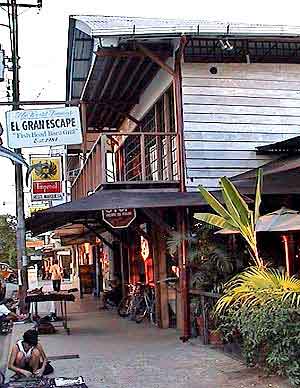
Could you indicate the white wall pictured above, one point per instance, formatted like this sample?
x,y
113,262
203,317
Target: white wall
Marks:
x,y
227,115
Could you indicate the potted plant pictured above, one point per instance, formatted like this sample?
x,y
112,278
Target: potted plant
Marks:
x,y
215,337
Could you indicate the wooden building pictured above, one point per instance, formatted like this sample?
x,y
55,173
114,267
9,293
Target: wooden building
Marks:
x,y
167,105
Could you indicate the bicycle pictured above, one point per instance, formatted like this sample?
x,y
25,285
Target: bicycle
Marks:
x,y
146,306
129,302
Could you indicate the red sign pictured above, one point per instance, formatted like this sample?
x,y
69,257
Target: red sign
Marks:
x,y
118,218
47,187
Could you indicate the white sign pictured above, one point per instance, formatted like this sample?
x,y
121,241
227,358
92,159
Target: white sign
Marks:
x,y
32,278
43,127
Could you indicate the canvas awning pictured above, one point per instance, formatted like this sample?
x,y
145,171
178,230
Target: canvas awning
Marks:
x,y
88,209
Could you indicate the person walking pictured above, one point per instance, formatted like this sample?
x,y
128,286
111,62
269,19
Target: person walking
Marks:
x,y
56,276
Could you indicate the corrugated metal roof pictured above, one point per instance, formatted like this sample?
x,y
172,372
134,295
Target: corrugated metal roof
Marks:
x,y
97,25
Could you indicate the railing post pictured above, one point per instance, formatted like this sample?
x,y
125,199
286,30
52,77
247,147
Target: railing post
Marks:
x,y
103,159
143,157
98,162
168,137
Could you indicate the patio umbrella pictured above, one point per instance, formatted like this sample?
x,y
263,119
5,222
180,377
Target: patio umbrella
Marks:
x,y
282,220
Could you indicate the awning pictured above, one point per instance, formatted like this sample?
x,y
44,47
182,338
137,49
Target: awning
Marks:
x,y
289,146
88,209
281,176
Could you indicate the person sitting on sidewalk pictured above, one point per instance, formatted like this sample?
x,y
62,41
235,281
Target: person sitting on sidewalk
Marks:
x,y
6,314
28,358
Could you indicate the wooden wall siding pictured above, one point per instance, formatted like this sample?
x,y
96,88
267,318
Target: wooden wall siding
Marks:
x,y
229,114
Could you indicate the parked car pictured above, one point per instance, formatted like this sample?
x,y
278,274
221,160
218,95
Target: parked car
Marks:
x,y
8,273
2,289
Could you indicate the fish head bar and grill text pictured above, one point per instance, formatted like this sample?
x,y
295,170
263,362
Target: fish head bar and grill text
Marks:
x,y
37,128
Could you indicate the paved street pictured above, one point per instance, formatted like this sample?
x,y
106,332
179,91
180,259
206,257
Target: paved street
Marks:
x,y
10,288
117,353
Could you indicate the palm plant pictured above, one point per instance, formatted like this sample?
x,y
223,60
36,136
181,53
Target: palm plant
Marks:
x,y
209,261
260,286
235,215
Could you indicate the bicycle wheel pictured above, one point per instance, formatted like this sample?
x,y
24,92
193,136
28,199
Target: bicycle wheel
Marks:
x,y
2,378
124,307
140,311
153,315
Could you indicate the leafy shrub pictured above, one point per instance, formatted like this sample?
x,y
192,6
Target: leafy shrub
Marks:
x,y
269,334
259,286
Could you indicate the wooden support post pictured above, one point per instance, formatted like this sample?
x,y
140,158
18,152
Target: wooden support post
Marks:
x,y
143,157
155,256
159,140
183,320
103,158
122,268
178,112
83,111
168,138
162,270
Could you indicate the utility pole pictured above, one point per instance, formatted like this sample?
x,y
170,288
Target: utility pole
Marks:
x,y
21,232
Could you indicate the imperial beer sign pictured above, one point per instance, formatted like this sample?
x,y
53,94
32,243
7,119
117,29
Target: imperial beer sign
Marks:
x,y
118,218
46,178
43,127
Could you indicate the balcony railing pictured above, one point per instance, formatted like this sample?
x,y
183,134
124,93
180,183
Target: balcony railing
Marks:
x,y
145,157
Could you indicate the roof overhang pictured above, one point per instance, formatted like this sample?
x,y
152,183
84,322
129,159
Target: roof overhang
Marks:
x,y
88,210
111,85
280,177
289,146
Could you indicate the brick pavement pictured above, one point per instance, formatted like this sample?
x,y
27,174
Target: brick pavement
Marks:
x,y
117,353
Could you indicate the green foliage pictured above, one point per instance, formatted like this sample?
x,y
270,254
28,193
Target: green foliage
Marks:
x,y
209,262
235,215
269,334
8,251
259,286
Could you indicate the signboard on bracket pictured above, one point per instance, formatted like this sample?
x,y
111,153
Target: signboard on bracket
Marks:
x,y
46,178
119,218
43,127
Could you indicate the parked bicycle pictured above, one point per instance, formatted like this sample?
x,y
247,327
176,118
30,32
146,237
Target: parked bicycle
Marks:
x,y
129,302
146,306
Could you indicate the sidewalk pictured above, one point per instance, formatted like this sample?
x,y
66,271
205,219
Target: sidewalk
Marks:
x,y
116,353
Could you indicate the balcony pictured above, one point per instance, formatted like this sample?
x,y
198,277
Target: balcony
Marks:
x,y
129,159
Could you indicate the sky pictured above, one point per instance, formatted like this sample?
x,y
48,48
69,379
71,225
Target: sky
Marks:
x,y
43,44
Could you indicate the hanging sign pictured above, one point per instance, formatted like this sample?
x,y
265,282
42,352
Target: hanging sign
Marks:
x,y
43,127
145,251
46,178
37,208
118,218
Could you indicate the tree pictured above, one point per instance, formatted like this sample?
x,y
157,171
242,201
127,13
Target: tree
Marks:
x,y
8,249
235,215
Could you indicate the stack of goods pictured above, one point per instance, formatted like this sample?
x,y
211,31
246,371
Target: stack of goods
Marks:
x,y
44,382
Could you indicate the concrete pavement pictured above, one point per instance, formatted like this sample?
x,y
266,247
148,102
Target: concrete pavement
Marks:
x,y
116,353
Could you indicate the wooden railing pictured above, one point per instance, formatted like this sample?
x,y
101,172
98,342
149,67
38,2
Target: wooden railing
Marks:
x,y
128,158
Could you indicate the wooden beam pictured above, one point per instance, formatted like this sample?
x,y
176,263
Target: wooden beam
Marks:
x,y
117,53
107,81
90,228
156,59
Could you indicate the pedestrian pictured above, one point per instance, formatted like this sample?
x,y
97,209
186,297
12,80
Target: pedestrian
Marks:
x,y
56,276
8,315
28,357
